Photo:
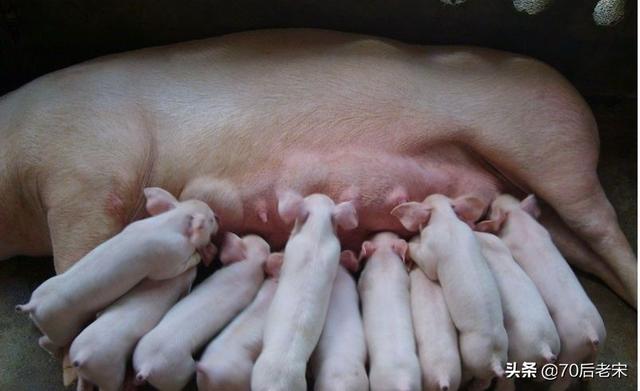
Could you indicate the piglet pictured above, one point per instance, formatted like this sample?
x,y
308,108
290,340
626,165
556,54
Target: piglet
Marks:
x,y
386,312
531,331
164,357
227,361
159,247
338,362
436,335
299,308
101,351
577,320
447,251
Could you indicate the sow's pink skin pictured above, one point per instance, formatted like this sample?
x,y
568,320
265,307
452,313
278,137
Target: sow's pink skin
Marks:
x,y
436,335
399,105
386,312
338,362
531,331
101,351
447,251
577,320
227,361
159,247
164,357
299,308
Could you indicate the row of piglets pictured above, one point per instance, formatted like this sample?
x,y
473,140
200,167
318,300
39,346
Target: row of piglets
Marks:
x,y
132,283
467,291
510,297
162,247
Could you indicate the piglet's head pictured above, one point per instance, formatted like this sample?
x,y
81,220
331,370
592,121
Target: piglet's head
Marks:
x,y
293,207
502,206
384,240
202,225
414,215
236,249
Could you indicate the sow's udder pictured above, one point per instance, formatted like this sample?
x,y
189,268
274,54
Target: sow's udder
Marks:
x,y
375,180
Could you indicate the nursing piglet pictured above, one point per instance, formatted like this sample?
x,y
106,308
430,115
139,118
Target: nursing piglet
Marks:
x,y
164,357
386,312
447,251
227,361
159,247
299,308
101,351
436,335
338,363
531,331
577,320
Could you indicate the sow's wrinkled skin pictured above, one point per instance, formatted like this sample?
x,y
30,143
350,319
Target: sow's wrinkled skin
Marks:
x,y
298,311
227,361
159,247
223,119
447,251
577,320
101,351
338,362
436,335
386,313
164,357
531,331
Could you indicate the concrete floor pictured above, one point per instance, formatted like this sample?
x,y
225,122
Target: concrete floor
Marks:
x,y
24,366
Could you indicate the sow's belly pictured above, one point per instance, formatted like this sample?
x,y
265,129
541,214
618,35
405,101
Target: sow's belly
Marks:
x,y
375,179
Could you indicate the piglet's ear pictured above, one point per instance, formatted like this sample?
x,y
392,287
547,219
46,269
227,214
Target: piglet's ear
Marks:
x,y
291,207
367,249
273,265
412,215
159,200
344,215
469,208
399,246
196,230
349,260
233,249
492,225
530,205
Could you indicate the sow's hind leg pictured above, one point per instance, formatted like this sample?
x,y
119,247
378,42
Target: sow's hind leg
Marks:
x,y
554,154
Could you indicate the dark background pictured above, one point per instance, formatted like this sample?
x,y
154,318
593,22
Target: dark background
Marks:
x,y
37,37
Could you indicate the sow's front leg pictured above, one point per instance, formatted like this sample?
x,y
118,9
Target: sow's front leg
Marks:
x,y
92,192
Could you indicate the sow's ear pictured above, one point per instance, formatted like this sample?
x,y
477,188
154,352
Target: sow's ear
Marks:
x,y
530,205
344,214
233,249
159,200
468,208
291,207
412,215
